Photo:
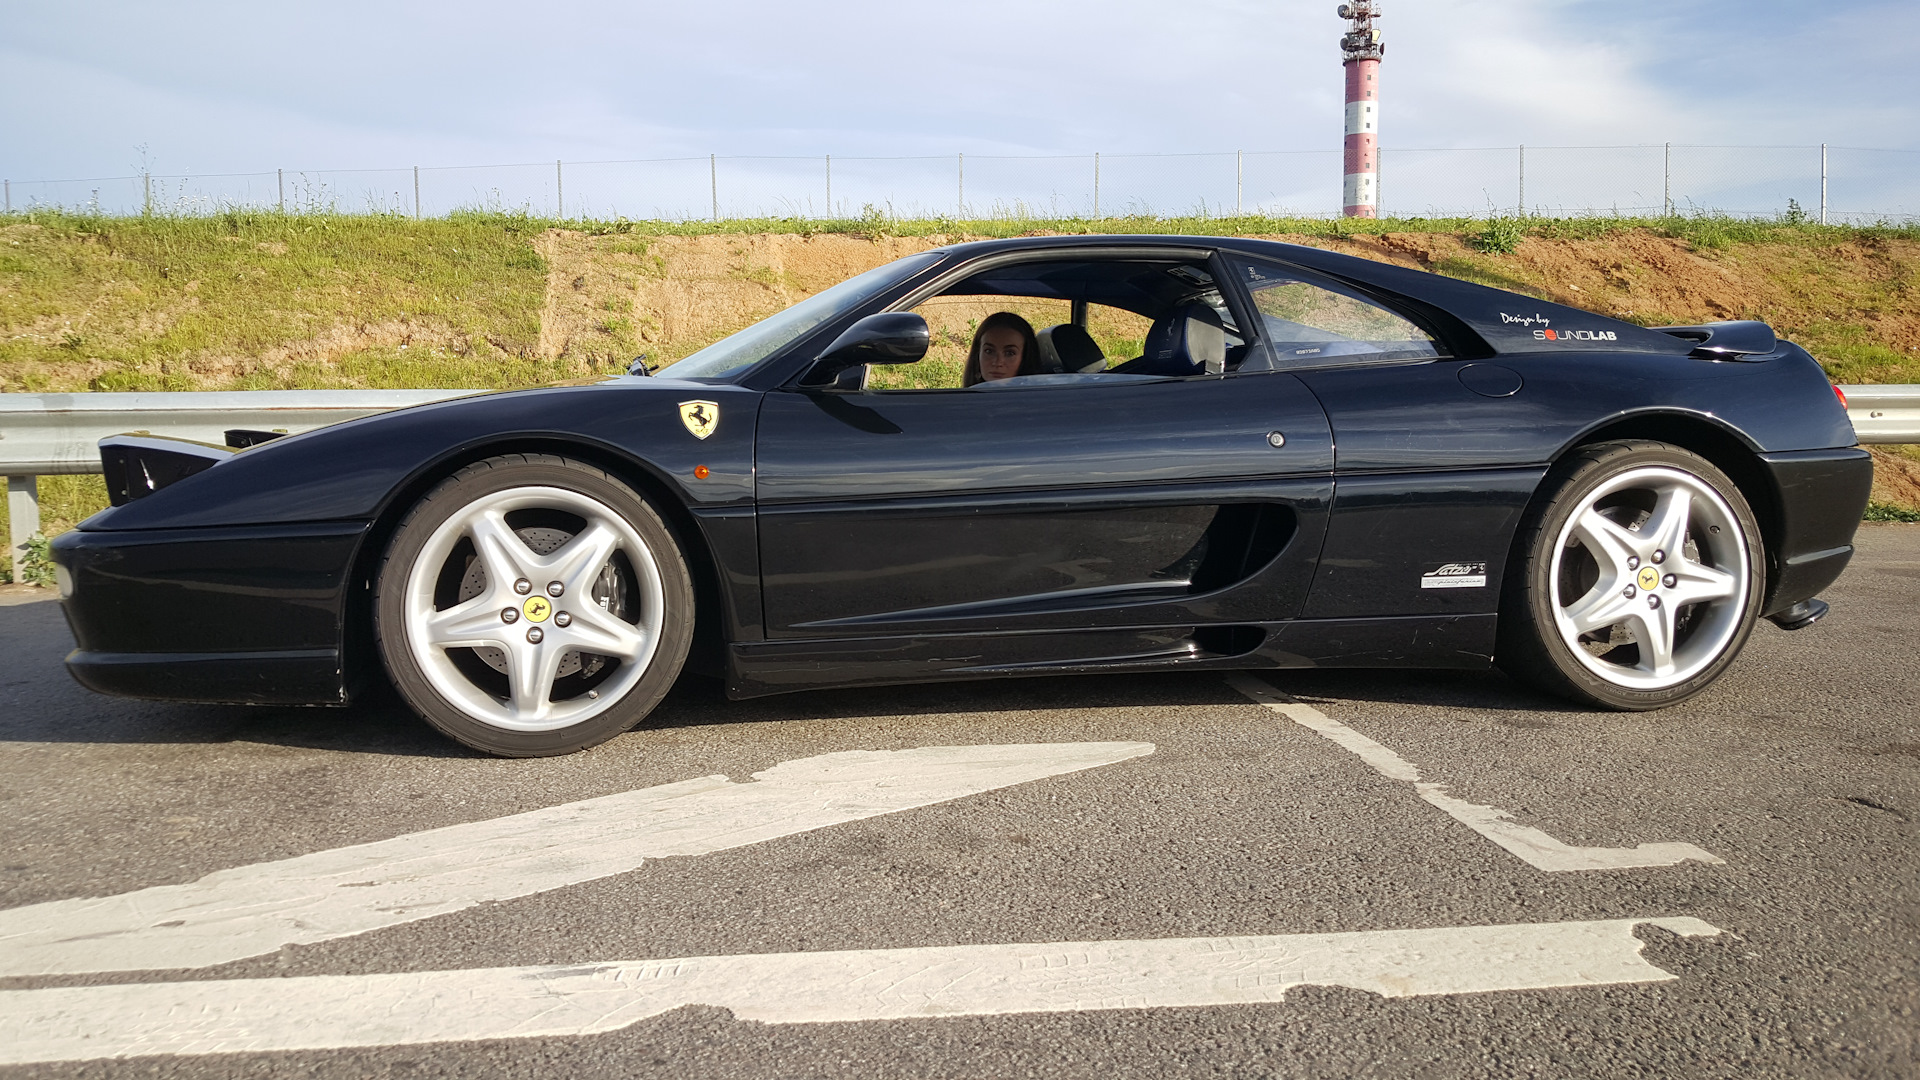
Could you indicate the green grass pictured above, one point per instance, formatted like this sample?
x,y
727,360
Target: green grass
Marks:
x,y
189,302
261,300
1881,511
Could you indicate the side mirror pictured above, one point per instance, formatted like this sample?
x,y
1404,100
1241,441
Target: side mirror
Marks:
x,y
893,337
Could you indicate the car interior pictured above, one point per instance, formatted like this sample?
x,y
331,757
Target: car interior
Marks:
x,y
1130,319
1094,320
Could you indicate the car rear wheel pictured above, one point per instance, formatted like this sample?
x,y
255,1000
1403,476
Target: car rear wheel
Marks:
x,y
531,605
1636,580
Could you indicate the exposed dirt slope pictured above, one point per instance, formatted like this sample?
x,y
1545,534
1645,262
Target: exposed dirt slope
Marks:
x,y
1896,476
672,295
1855,303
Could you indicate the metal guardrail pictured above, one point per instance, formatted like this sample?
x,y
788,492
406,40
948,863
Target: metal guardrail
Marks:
x,y
50,434
54,434
1884,414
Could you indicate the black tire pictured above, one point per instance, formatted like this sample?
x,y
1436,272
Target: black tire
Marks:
x,y
1534,647
464,719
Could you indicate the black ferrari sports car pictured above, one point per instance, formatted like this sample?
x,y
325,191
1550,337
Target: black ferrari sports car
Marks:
x,y
1216,453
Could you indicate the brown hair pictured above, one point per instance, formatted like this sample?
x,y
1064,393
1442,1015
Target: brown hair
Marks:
x,y
1003,320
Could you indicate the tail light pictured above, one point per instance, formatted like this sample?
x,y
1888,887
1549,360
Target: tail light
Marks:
x,y
1842,395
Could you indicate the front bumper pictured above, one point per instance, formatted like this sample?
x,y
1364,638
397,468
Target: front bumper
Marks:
x,y
253,615
1821,495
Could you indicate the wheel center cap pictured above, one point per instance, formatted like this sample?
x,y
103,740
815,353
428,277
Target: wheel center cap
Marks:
x,y
537,608
1649,581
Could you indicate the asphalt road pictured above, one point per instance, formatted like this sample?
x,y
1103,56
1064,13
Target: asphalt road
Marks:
x,y
1800,771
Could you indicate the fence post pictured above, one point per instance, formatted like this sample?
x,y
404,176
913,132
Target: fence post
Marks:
x,y
280,177
23,512
1823,183
416,193
1523,181
559,192
1096,185
146,200
713,177
1239,182
961,206
829,186
1666,199
9,196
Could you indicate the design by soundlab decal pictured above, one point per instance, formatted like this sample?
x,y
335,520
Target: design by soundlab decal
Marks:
x,y
1456,575
1544,331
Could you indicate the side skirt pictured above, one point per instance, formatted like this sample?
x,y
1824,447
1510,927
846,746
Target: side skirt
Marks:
x,y
757,669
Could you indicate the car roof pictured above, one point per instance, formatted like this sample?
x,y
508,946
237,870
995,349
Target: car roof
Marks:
x,y
1508,322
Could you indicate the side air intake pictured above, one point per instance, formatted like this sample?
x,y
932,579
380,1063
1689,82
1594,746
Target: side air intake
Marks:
x,y
1727,340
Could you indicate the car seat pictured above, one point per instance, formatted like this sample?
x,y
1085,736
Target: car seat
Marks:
x,y
1191,340
1069,349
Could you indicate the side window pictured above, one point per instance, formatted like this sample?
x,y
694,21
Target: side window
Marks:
x,y
1073,322
1308,321
952,321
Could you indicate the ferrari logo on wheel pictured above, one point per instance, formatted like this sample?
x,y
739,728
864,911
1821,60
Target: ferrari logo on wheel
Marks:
x,y
701,417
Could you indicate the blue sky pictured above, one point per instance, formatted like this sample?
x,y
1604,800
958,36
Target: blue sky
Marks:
x,y
207,87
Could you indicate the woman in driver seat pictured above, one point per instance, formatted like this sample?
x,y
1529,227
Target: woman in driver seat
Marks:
x,y
1003,346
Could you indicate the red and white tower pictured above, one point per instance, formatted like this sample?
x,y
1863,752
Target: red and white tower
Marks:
x,y
1363,49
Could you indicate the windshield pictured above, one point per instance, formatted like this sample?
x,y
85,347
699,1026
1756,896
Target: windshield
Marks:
x,y
737,352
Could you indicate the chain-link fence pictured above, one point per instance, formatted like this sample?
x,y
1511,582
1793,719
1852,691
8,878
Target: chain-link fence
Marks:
x,y
1838,184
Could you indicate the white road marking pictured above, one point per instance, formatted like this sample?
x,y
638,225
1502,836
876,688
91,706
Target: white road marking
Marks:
x,y
254,910
1528,843
335,1011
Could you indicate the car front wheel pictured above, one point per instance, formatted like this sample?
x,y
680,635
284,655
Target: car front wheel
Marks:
x,y
1636,580
532,605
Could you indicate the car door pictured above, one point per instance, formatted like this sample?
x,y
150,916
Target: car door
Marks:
x,y
1431,478
1056,505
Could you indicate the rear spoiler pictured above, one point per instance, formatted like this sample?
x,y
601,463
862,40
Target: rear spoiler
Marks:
x,y
1727,340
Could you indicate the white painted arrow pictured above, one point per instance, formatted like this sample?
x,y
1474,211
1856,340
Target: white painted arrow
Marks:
x,y
255,910
1524,842
335,1011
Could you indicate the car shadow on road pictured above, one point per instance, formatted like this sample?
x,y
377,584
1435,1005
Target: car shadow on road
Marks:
x,y
701,702
40,703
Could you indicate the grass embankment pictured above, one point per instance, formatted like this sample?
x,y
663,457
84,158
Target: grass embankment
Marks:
x,y
271,301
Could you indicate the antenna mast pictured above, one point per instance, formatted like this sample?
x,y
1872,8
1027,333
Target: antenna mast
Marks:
x,y
1363,50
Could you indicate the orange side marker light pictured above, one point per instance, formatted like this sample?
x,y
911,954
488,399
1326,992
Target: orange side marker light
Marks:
x,y
700,472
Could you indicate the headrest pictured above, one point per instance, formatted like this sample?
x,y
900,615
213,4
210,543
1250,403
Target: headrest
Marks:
x,y
1189,340
1069,348
1202,338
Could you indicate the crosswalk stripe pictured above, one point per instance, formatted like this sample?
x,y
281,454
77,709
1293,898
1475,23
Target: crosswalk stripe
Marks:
x,y
255,910
1525,842
337,1011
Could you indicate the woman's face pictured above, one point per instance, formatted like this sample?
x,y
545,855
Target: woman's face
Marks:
x,y
1000,353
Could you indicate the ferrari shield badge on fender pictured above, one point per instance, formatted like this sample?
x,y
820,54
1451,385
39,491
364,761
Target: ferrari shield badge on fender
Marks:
x,y
701,417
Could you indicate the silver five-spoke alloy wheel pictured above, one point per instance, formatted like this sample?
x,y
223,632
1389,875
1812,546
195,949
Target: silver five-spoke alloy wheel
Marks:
x,y
1634,579
546,612
533,604
1651,580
